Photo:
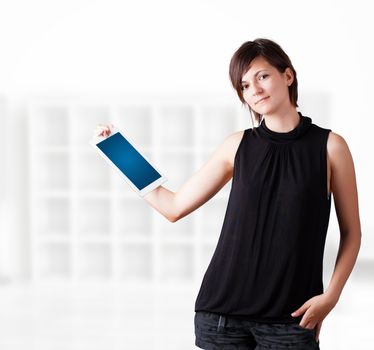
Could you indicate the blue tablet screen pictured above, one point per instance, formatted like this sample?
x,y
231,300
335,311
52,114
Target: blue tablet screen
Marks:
x,y
128,160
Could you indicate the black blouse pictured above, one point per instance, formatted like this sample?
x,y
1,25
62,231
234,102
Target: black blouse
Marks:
x,y
269,256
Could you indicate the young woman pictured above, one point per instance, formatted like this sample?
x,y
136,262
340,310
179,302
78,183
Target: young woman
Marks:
x,y
263,287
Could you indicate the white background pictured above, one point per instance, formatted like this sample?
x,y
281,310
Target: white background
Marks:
x,y
108,48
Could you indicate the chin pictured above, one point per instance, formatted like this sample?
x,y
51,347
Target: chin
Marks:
x,y
263,110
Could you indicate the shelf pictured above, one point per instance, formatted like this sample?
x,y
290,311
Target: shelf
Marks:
x,y
93,216
53,125
94,261
53,216
132,217
88,225
177,263
52,171
91,172
179,168
178,130
137,122
218,122
54,260
135,262
86,117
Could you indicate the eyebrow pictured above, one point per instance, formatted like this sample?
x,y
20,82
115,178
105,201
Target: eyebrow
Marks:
x,y
243,81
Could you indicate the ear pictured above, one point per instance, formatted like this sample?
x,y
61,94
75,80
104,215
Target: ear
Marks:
x,y
289,76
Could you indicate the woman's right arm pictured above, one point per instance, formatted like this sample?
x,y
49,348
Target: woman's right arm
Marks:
x,y
201,187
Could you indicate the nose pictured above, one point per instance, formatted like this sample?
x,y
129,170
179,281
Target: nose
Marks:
x,y
256,90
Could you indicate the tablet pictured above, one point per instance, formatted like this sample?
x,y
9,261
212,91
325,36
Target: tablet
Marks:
x,y
119,151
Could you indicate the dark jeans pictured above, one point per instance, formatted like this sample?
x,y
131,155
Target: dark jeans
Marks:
x,y
218,332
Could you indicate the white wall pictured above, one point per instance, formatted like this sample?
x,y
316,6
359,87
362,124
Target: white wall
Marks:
x,y
82,47
113,47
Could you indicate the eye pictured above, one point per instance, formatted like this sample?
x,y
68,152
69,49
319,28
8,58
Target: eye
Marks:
x,y
245,86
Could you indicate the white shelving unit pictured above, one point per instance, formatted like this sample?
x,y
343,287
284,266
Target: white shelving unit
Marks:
x,y
87,224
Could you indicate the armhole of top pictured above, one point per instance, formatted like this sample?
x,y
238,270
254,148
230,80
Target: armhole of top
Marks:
x,y
246,131
326,179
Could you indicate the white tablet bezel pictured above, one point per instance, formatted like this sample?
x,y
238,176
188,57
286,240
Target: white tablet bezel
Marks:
x,y
96,140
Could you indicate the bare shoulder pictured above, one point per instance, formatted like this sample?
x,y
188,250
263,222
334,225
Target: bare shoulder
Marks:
x,y
336,142
337,148
232,144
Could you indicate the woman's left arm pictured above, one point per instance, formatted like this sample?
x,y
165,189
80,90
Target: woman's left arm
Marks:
x,y
344,189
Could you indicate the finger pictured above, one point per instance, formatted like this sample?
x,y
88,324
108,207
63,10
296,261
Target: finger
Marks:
x,y
310,326
306,322
309,317
100,133
300,310
101,129
97,133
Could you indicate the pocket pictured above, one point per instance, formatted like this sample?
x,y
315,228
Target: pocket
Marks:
x,y
304,329
206,321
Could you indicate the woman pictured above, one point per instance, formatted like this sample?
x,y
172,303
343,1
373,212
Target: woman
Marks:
x,y
263,287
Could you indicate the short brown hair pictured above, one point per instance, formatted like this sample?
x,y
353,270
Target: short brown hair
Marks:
x,y
272,53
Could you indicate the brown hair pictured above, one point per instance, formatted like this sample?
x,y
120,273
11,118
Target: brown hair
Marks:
x,y
273,54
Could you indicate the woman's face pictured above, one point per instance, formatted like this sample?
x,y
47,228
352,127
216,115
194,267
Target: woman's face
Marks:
x,y
263,81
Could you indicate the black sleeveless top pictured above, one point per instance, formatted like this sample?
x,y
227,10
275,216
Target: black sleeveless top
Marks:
x,y
269,256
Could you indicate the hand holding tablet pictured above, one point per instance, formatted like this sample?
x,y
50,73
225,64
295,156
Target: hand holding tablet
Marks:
x,y
119,151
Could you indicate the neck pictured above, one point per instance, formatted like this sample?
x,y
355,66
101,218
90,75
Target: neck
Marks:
x,y
282,121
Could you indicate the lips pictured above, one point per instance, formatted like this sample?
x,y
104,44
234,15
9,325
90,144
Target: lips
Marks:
x,y
262,99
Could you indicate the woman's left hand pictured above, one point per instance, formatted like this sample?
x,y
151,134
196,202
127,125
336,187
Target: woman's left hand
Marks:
x,y
315,310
